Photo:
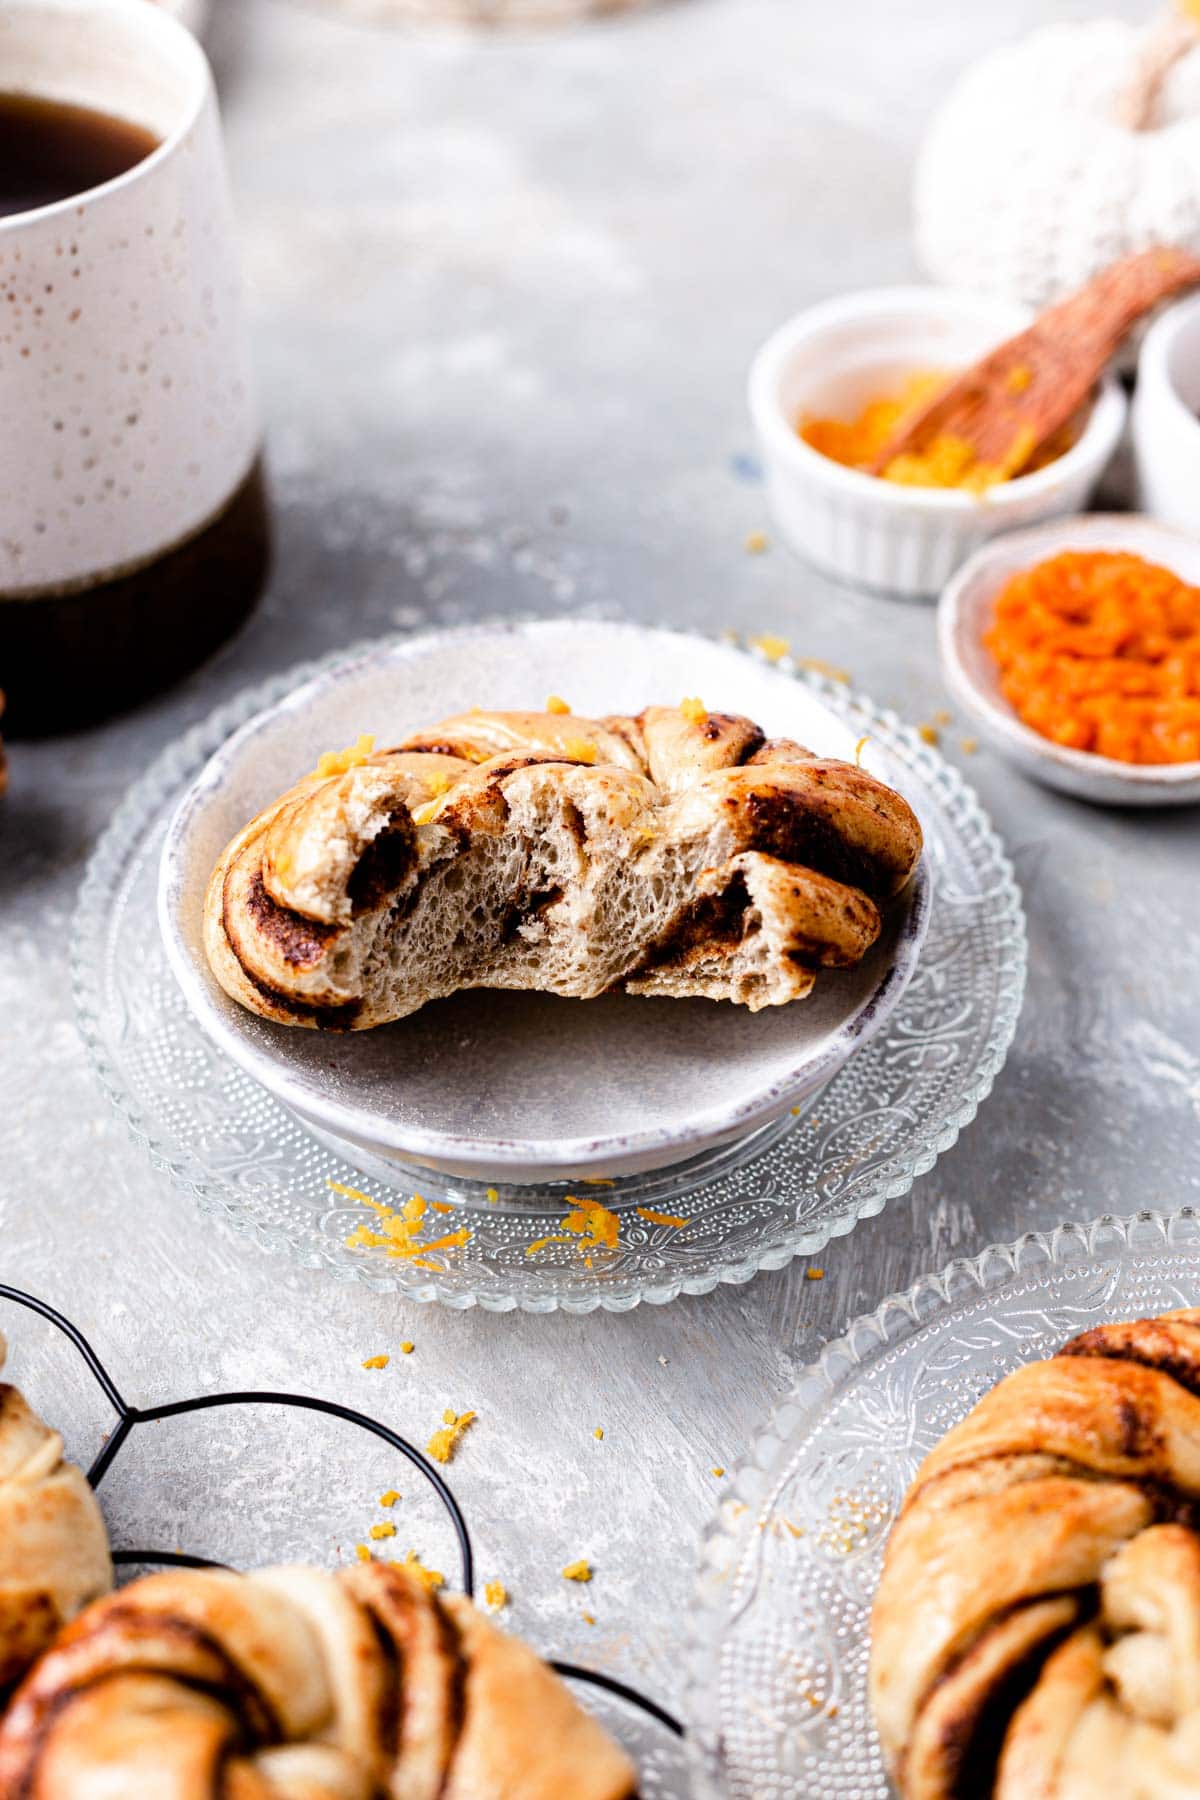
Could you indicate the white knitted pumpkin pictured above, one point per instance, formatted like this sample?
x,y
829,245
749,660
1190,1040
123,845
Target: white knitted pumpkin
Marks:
x,y
1031,178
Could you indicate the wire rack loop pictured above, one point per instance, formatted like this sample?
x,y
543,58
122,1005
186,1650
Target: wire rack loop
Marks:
x,y
129,1417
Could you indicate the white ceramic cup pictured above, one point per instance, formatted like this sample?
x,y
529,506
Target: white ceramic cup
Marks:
x,y
128,422
1166,418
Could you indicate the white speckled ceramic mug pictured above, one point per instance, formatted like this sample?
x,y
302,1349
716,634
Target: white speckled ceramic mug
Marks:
x,y
132,520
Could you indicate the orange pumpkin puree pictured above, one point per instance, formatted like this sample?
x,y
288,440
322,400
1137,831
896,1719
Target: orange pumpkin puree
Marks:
x,y
1100,650
948,462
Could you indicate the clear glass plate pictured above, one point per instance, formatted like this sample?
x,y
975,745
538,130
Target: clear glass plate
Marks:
x,y
777,1657
878,1124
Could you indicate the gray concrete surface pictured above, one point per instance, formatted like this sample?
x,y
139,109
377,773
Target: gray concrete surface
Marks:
x,y
504,295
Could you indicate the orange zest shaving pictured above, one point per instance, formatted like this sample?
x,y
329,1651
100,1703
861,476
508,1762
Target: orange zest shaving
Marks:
x,y
398,1233
591,1224
444,1443
556,704
376,1362
496,1595
660,1218
337,762
429,1578
772,647
946,462
578,1571
694,710
1100,651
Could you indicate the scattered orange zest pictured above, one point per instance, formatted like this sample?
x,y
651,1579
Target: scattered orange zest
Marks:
x,y
660,1218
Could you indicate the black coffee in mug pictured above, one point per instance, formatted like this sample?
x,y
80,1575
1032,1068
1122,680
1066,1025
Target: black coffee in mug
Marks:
x,y
50,150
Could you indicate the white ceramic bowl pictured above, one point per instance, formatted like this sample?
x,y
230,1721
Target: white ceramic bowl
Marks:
x,y
973,678
511,1087
1166,418
832,359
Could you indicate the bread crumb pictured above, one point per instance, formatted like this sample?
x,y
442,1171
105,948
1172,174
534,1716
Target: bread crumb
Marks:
x,y
495,1592
694,710
444,1443
376,1362
969,746
578,1571
385,1529
929,734
757,542
390,1498
773,648
659,1218
814,1274
598,1433
556,704
663,1361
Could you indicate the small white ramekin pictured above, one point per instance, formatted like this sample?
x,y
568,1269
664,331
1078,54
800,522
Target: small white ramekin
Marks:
x,y
828,362
1166,418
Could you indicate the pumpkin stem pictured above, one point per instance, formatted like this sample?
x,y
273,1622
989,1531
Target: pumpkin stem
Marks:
x,y
1166,42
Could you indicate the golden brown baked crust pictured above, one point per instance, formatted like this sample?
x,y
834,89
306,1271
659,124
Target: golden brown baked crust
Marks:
x,y
1036,1633
53,1546
679,852
293,1684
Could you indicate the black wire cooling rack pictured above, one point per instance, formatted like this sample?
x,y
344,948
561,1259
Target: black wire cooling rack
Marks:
x,y
130,1417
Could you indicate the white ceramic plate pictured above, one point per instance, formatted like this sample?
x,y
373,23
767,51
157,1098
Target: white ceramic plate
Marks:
x,y
965,612
528,1087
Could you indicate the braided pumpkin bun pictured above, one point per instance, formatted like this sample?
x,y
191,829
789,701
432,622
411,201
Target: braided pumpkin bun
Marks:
x,y
1036,1633
681,852
53,1546
295,1684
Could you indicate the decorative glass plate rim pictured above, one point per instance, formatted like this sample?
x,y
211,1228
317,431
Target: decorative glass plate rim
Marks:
x,y
901,1316
179,761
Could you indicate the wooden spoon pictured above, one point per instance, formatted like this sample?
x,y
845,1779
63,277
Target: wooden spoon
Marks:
x,y
1007,405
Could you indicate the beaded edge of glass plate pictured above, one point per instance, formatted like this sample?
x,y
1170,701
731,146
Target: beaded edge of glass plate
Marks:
x,y
758,1477
890,1179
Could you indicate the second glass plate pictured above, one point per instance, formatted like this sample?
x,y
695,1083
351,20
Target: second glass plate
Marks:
x,y
777,1666
878,1124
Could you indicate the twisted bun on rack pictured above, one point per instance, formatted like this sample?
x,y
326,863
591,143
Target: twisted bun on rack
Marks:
x,y
680,852
53,1546
1036,1633
293,1684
